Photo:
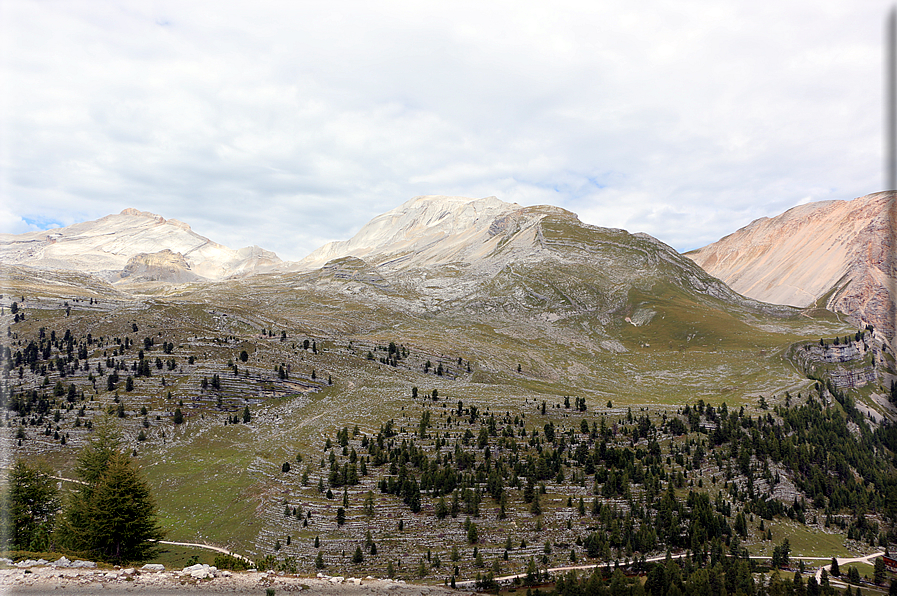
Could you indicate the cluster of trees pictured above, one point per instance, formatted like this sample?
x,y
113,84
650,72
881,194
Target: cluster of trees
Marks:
x,y
858,336
676,577
66,354
461,457
110,515
393,354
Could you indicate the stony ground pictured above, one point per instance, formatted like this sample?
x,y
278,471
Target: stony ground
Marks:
x,y
44,580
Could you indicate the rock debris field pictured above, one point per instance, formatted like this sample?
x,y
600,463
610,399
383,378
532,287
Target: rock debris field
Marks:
x,y
83,577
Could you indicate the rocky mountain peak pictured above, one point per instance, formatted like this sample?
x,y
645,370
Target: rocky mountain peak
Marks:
x,y
420,230
138,213
133,246
132,212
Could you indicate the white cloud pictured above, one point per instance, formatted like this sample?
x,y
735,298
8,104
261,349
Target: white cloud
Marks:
x,y
10,223
287,124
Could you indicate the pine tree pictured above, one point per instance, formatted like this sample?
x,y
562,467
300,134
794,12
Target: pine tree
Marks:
x,y
879,571
536,506
472,536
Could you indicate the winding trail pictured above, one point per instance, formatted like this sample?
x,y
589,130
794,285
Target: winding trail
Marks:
x,y
208,547
844,561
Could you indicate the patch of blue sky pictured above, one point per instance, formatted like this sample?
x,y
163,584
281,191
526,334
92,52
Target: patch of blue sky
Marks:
x,y
42,223
575,185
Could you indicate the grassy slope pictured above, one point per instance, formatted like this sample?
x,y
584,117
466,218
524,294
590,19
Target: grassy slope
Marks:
x,y
222,484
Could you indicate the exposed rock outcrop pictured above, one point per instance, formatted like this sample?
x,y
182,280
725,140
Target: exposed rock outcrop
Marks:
x,y
164,266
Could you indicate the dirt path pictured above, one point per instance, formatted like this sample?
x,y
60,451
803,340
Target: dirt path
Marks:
x,y
869,559
846,560
208,547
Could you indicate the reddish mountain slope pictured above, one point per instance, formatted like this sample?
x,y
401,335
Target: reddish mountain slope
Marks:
x,y
842,251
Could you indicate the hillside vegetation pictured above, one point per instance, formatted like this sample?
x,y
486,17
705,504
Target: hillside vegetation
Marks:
x,y
573,395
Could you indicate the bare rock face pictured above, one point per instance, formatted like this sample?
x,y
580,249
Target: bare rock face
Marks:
x,y
424,230
839,251
163,266
133,246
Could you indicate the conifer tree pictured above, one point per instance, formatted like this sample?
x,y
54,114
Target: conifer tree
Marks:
x,y
29,507
112,515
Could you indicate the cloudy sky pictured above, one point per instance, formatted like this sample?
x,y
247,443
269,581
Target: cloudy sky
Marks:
x,y
288,124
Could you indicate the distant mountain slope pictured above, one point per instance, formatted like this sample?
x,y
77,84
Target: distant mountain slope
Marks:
x,y
426,229
839,251
539,269
133,246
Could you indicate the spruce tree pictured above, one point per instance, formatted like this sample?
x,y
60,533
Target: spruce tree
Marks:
x,y
29,507
112,515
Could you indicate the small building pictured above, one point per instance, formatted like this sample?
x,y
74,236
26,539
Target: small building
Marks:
x,y
890,563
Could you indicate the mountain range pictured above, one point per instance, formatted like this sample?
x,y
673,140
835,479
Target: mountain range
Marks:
x,y
835,254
